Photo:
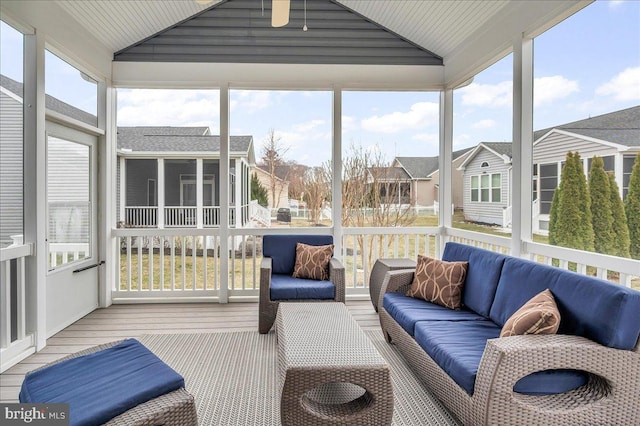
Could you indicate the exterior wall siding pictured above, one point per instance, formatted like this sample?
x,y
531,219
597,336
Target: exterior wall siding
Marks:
x,y
486,212
555,147
11,164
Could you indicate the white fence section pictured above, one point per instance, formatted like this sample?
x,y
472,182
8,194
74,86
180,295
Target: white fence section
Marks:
x,y
507,216
15,343
260,214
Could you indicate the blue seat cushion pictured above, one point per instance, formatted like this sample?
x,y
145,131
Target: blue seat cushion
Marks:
x,y
483,274
457,347
104,384
282,249
407,311
285,287
601,311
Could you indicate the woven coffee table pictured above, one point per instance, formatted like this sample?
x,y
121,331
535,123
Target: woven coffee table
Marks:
x,y
330,372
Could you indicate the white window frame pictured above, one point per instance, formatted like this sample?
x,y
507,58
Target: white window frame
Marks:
x,y
490,188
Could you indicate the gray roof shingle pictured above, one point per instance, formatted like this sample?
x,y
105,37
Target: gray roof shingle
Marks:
x,y
51,103
424,167
621,127
177,139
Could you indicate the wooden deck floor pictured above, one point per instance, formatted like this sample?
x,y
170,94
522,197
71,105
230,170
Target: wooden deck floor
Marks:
x,y
122,321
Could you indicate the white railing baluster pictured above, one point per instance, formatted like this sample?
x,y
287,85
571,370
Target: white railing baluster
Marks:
x,y
128,264
5,305
140,244
173,263
194,258
150,258
205,245
183,256
161,253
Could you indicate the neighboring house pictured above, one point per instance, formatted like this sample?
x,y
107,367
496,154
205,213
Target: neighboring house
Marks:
x,y
66,174
487,182
170,177
615,137
281,186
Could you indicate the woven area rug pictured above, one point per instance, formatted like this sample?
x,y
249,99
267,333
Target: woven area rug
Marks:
x,y
233,377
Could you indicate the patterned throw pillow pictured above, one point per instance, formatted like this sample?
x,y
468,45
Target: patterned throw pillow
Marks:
x,y
312,262
439,282
539,315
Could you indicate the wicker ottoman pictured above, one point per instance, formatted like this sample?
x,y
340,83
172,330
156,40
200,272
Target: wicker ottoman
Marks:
x,y
380,269
330,372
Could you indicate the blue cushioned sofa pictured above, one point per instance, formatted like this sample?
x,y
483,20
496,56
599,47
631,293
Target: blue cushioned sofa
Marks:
x,y
277,285
588,373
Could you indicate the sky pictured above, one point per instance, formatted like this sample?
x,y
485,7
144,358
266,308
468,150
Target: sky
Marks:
x,y
585,66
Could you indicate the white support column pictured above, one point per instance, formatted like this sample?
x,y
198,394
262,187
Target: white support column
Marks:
x,y
123,189
35,183
106,193
445,164
336,166
199,203
224,193
522,149
160,193
237,188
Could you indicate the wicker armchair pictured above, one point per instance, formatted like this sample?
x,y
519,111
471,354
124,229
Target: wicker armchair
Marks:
x,y
279,254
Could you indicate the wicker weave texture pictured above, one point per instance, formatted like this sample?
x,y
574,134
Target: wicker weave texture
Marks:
x,y
329,370
175,408
268,308
611,396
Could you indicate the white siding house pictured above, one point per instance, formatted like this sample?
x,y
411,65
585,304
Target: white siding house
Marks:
x,y
486,183
615,137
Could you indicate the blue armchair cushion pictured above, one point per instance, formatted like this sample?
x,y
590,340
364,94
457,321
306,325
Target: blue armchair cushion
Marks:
x,y
457,347
285,287
482,278
282,249
601,311
407,311
104,384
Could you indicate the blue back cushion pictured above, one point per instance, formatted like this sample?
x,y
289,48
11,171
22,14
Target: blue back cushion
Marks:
x,y
604,312
282,249
482,278
104,384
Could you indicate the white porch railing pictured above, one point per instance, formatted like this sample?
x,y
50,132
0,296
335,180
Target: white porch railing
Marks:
x,y
180,216
192,259
15,342
260,214
141,216
62,253
211,216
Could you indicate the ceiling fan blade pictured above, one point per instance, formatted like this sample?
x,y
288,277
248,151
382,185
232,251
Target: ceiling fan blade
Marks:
x,y
280,12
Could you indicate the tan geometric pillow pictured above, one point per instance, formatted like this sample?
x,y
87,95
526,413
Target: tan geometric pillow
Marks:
x,y
312,262
539,315
439,282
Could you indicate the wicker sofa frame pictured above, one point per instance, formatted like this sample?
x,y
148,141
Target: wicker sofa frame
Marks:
x,y
175,408
610,397
269,308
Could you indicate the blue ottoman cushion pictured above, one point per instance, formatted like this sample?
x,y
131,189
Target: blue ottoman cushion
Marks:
x,y
285,287
104,384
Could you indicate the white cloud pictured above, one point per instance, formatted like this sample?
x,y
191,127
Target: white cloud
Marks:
x,y
623,87
613,4
549,89
462,141
484,124
421,114
251,101
150,107
308,126
487,95
430,138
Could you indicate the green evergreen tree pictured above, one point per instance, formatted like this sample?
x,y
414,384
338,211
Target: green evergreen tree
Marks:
x,y
572,222
620,229
259,192
601,215
553,216
632,209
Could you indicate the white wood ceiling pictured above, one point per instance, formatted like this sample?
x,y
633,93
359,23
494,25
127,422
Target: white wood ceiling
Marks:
x,y
438,26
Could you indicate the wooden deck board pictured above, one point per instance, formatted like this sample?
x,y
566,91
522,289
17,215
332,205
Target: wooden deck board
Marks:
x,y
123,321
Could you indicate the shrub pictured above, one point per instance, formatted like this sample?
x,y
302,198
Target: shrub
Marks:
x,y
601,216
620,228
632,209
